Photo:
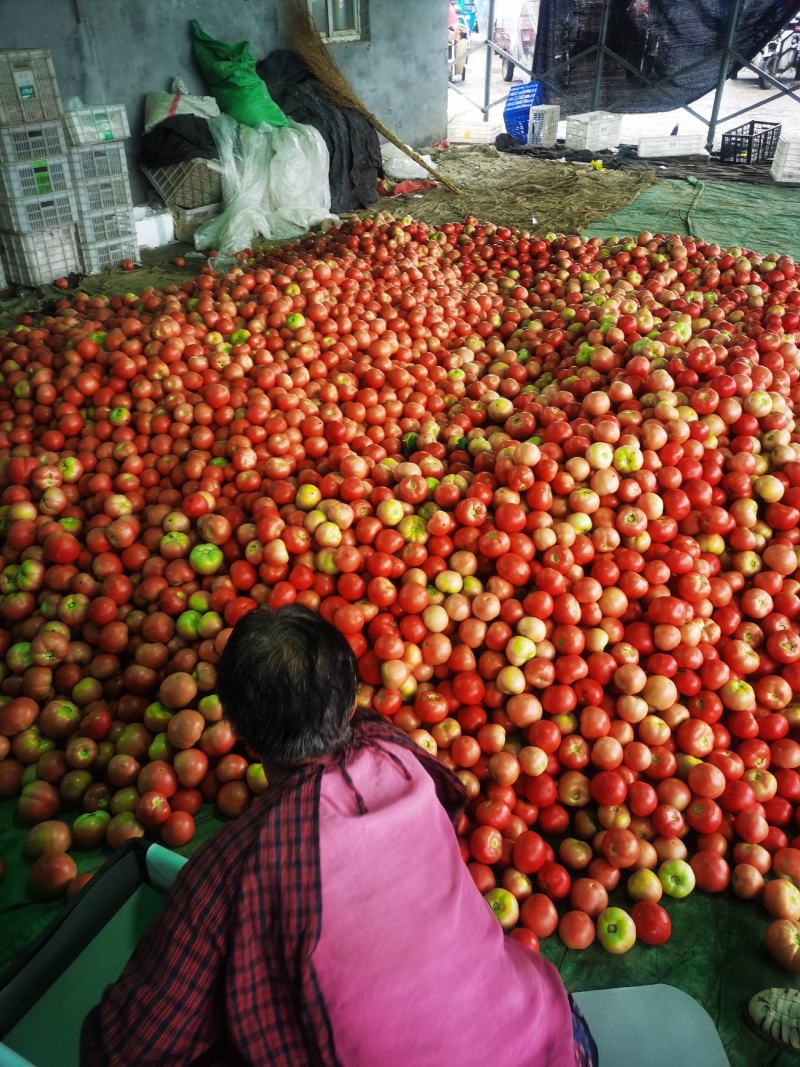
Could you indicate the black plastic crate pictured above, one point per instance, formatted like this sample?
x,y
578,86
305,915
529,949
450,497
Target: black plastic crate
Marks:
x,y
755,142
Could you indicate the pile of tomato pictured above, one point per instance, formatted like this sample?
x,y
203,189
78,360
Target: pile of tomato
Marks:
x,y
548,489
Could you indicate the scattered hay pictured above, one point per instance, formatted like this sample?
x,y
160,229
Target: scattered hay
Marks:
x,y
509,190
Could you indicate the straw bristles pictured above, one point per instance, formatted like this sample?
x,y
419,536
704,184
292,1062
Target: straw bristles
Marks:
x,y
305,40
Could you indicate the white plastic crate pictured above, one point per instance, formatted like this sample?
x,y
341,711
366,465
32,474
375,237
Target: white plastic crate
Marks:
x,y
94,125
36,140
786,164
543,125
189,219
28,86
107,255
193,183
106,226
41,177
593,131
473,132
104,194
688,144
93,162
36,213
787,149
39,258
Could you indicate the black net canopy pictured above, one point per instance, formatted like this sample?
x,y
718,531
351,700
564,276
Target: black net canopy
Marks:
x,y
675,43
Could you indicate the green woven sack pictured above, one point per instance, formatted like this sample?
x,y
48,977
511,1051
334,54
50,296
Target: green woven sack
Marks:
x,y
230,70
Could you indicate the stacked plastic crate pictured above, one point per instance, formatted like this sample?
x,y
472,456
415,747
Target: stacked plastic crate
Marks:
x,y
37,203
106,226
786,165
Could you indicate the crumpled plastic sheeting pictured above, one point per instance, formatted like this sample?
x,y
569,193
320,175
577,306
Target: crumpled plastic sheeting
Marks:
x,y
298,186
274,184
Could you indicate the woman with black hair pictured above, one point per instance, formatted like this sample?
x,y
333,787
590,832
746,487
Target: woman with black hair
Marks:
x,y
334,923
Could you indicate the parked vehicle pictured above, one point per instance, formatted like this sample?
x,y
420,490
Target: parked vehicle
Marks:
x,y
781,56
515,24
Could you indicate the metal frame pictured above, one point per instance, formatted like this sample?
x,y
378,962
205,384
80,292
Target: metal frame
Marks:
x,y
728,58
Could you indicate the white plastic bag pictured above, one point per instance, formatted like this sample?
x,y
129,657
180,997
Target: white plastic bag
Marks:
x,y
160,106
244,159
400,167
298,187
274,183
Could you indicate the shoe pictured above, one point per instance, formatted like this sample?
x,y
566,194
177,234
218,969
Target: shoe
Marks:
x,y
774,1014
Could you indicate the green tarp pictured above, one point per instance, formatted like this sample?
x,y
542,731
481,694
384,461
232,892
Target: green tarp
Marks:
x,y
763,218
21,917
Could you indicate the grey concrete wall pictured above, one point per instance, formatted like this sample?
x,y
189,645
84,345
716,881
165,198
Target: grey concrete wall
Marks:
x,y
115,51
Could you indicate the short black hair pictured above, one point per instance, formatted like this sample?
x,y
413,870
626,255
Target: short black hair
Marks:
x,y
288,680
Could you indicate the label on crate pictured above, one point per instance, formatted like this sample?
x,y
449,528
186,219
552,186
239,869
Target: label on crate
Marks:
x,y
41,177
103,124
23,79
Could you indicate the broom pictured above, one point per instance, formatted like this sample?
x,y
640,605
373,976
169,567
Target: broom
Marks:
x,y
306,41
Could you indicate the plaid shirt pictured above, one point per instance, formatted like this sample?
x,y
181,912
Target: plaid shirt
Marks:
x,y
225,976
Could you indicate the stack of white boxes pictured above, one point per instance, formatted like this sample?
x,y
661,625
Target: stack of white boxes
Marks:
x,y
106,226
65,197
37,203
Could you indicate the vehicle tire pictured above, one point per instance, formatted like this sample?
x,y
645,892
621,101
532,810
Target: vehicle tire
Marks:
x,y
769,68
508,70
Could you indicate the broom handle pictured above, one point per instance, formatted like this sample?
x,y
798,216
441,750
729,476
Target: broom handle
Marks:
x,y
376,122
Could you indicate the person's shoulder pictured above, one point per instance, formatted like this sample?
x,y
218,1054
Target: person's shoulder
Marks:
x,y
216,861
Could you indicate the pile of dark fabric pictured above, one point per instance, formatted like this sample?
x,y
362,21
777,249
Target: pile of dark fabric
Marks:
x,y
627,159
176,140
353,147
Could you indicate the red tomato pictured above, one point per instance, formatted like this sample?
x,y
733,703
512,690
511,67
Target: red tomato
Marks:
x,y
539,915
576,929
711,871
529,852
653,924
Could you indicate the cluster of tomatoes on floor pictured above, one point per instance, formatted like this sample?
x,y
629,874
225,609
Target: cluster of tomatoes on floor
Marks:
x,y
549,490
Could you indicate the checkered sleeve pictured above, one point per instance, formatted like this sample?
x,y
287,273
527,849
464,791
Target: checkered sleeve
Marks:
x,y
162,1009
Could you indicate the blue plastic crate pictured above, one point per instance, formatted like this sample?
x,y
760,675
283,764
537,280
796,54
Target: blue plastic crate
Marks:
x,y
516,113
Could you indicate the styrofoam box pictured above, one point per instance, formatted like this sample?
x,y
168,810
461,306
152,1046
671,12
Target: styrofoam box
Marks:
x,y
96,125
108,255
39,258
34,140
593,131
40,177
154,228
28,86
689,144
36,213
102,226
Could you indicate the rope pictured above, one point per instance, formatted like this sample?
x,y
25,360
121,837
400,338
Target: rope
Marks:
x,y
695,201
